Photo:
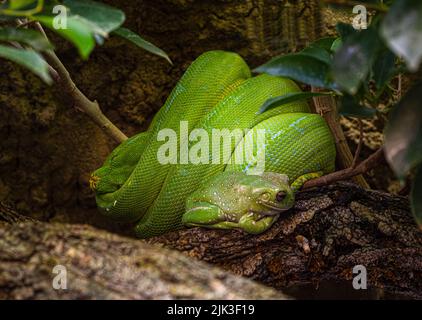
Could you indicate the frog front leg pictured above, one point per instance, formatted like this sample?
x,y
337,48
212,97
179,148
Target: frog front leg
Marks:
x,y
255,224
210,216
250,223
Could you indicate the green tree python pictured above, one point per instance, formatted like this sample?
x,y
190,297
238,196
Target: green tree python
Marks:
x,y
217,92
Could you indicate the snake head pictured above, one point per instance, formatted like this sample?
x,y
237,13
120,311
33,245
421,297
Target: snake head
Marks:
x,y
234,200
102,182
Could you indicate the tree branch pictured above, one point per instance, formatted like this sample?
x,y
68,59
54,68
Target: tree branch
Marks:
x,y
326,107
359,147
62,77
100,265
363,167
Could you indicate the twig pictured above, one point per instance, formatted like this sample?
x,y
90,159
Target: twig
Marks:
x,y
359,147
399,87
371,162
51,70
326,107
62,77
24,24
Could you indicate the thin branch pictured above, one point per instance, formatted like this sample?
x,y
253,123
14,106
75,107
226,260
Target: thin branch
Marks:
x,y
359,147
326,106
22,23
62,77
363,167
399,87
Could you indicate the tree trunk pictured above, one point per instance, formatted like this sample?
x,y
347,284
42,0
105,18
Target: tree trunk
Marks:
x,y
100,265
328,232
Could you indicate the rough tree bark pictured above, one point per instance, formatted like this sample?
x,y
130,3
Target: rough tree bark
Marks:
x,y
100,265
330,230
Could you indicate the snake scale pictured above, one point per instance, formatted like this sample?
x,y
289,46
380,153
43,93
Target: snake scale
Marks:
x,y
217,91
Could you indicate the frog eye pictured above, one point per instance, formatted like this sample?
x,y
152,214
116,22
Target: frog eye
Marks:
x,y
280,196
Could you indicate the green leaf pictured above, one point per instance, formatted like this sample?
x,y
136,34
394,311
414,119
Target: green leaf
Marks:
x,y
87,22
384,68
289,98
300,67
336,45
349,107
403,135
353,61
319,49
142,43
319,53
27,36
78,31
416,197
19,4
104,17
29,59
402,30
324,43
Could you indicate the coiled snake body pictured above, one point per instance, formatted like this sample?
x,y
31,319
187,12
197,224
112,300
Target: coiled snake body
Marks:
x,y
216,92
